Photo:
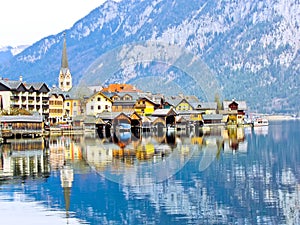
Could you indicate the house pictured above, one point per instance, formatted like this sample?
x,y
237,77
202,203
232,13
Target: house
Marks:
x,y
145,107
72,105
235,110
206,107
56,106
98,103
181,102
183,105
213,119
123,101
32,97
168,115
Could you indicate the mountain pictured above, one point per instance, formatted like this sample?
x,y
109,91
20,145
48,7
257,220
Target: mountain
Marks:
x,y
239,49
8,52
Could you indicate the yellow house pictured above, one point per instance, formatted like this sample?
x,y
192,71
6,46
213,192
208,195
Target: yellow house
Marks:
x,y
72,108
56,108
98,103
183,105
145,107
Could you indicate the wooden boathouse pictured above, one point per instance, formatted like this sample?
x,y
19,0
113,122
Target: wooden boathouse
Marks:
x,y
21,126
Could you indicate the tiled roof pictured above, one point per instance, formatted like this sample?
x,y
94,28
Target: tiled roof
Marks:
x,y
120,88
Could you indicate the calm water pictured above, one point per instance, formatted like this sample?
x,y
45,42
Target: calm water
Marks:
x,y
237,176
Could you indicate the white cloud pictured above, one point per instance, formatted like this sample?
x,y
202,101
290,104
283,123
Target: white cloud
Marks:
x,y
27,21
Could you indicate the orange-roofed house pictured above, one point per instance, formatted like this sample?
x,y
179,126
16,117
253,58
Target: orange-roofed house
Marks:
x,y
120,88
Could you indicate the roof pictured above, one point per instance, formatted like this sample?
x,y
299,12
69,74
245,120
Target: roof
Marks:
x,y
108,115
21,118
204,105
120,88
64,59
173,100
100,93
15,84
212,117
189,112
164,112
242,105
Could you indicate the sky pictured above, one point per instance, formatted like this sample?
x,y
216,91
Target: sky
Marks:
x,y
23,22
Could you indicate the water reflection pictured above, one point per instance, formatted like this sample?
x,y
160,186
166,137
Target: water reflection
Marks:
x,y
235,176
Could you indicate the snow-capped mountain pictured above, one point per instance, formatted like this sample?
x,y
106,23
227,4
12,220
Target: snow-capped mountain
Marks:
x,y
251,48
8,52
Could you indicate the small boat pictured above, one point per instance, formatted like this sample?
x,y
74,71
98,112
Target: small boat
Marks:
x,y
259,122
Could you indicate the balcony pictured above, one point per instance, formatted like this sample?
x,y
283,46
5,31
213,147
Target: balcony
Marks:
x,y
14,98
140,106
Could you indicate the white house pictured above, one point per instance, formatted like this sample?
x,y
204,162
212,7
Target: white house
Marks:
x,y
98,103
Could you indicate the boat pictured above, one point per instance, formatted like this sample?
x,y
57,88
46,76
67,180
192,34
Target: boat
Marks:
x,y
259,122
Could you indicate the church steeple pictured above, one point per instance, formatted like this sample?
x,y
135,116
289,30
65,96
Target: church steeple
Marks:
x,y
64,59
65,77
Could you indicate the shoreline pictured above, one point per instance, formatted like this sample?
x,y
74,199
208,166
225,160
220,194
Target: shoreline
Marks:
x,y
280,117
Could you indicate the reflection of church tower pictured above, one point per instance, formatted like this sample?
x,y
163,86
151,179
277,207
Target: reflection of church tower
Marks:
x,y
65,77
66,178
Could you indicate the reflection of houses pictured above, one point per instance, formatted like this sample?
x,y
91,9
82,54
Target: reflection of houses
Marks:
x,y
234,139
97,154
62,149
24,158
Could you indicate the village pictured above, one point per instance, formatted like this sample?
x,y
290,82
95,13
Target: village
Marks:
x,y
35,109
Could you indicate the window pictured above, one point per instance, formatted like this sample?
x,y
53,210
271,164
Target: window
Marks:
x,y
74,103
68,103
92,107
99,107
98,99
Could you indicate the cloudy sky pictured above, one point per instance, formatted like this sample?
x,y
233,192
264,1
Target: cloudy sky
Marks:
x,y
28,21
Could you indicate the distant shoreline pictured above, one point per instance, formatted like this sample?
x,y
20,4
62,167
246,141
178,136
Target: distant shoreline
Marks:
x,y
280,117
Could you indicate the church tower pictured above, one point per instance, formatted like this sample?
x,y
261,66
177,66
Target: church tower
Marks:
x,y
65,77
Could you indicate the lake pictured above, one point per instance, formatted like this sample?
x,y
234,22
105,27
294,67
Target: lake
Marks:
x,y
235,176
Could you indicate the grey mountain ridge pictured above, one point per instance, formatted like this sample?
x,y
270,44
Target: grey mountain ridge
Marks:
x,y
250,47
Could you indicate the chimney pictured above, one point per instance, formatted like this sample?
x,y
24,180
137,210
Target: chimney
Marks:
x,y
21,78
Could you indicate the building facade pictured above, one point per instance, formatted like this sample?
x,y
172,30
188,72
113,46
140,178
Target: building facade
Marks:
x,y
32,97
